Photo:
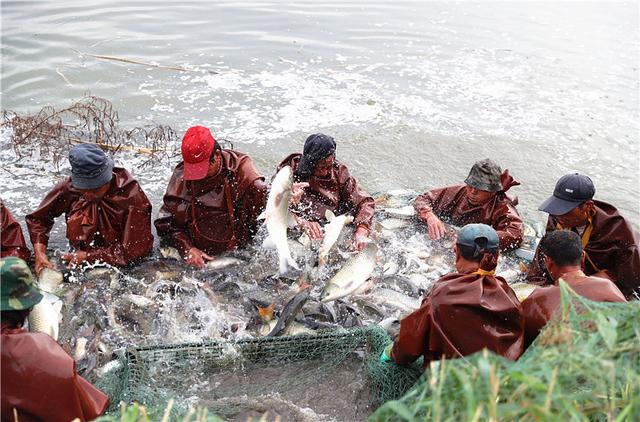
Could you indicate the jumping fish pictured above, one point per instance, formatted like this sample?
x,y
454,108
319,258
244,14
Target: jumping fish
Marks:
x,y
276,217
331,233
353,275
49,280
45,316
289,312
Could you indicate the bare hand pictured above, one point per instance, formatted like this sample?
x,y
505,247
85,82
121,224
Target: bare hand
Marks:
x,y
311,228
360,238
436,227
74,259
297,190
196,257
42,260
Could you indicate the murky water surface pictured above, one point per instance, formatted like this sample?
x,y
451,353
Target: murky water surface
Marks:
x,y
414,92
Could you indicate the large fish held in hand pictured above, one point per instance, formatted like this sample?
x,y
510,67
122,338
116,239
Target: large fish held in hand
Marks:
x,y
45,316
277,218
332,233
353,275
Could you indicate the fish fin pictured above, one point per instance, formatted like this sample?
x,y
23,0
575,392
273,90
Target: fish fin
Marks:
x,y
266,313
268,243
329,215
291,220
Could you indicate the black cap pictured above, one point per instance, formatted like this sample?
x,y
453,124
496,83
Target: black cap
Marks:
x,y
317,147
485,175
571,191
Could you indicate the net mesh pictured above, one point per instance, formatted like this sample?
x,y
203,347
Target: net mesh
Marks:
x,y
335,373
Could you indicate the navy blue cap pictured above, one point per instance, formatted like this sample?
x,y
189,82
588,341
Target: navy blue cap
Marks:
x,y
317,147
90,167
571,191
479,236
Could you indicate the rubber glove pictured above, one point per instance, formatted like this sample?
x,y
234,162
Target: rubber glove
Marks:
x,y
385,356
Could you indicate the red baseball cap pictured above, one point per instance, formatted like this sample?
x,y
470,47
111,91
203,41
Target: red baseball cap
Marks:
x,y
197,146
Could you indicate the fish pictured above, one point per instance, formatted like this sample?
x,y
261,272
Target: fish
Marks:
x,y
332,233
395,299
295,328
46,315
81,348
390,269
222,262
50,280
277,216
352,275
404,213
526,254
169,252
522,290
289,312
266,313
392,326
394,223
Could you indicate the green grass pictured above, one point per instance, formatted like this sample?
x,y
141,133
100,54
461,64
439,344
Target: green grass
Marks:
x,y
584,366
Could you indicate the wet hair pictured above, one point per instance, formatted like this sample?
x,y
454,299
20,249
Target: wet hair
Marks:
x,y
564,247
15,318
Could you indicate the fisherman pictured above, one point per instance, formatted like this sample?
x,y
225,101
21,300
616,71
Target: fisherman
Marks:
x,y
324,183
482,199
563,258
609,242
213,199
39,380
466,311
11,240
108,215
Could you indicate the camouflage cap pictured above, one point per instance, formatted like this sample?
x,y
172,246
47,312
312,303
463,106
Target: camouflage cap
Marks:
x,y
485,175
17,289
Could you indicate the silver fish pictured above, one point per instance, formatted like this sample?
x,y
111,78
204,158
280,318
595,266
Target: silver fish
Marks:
x,y
332,233
46,315
405,213
397,300
352,275
391,326
49,280
394,224
222,262
276,218
294,328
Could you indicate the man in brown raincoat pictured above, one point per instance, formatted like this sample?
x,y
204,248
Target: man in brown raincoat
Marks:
x,y
212,201
328,185
11,239
563,258
39,380
610,243
482,199
466,311
108,215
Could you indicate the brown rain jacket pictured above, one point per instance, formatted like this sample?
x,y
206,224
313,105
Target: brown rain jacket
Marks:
x,y
464,313
11,238
452,205
539,307
610,244
216,213
39,380
115,229
339,193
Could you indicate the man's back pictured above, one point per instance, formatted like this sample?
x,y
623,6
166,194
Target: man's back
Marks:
x,y
543,302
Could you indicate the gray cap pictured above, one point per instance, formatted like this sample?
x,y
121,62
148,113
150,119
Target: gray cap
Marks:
x,y
479,236
485,175
90,167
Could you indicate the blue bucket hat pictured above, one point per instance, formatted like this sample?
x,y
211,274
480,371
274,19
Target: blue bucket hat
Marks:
x,y
90,167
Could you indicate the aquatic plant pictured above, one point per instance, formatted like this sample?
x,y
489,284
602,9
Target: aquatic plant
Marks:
x,y
583,366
